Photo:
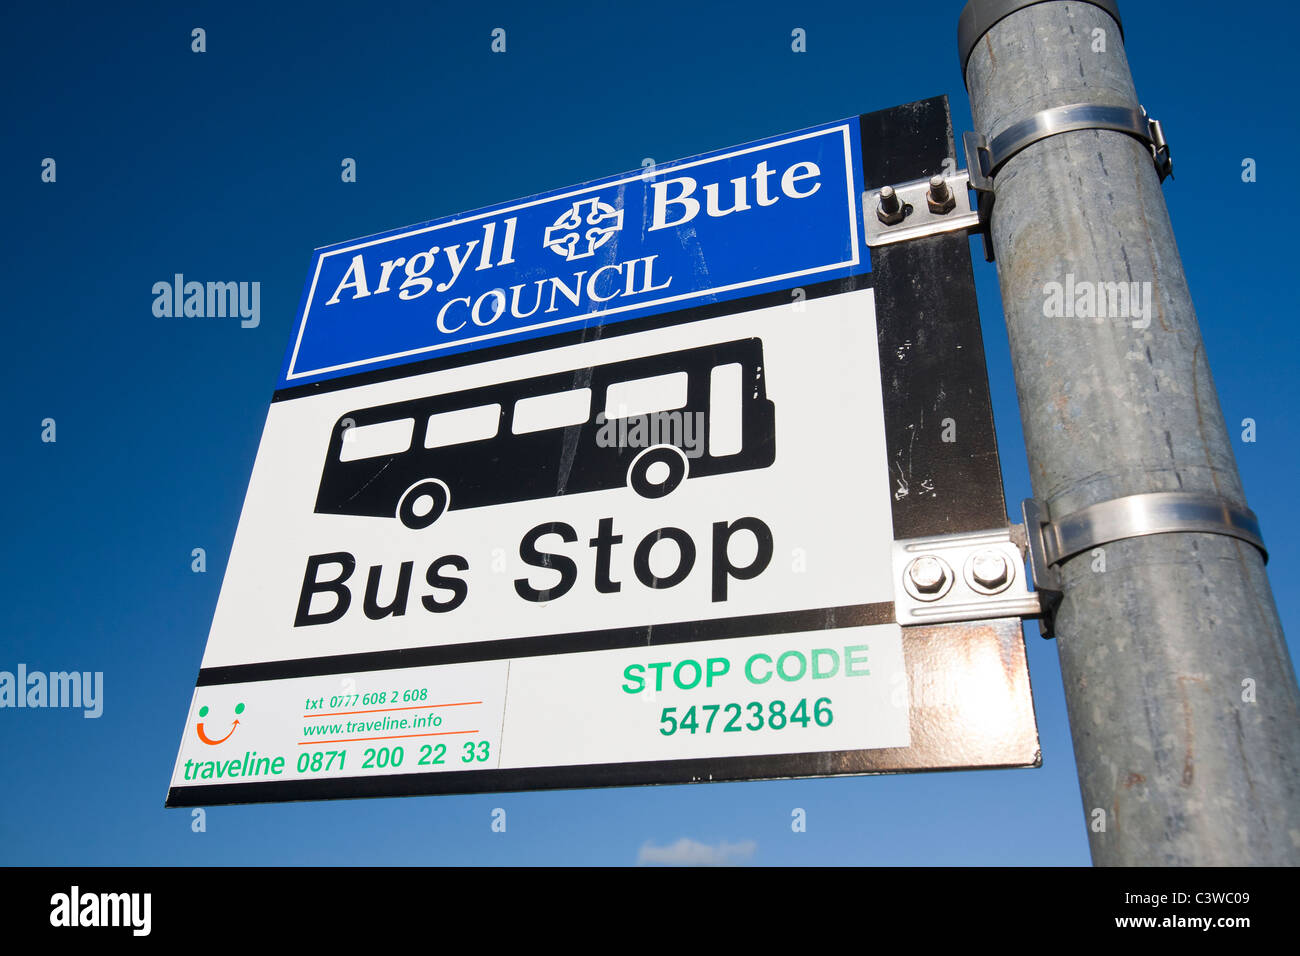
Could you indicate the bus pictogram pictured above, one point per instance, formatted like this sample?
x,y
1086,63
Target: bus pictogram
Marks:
x,y
647,424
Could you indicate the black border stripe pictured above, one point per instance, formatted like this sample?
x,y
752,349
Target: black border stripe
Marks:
x,y
763,300
932,364
576,642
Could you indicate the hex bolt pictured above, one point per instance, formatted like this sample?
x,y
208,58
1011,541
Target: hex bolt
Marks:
x,y
939,197
989,569
927,574
891,210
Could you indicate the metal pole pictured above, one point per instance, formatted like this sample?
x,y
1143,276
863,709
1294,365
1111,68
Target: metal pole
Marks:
x,y
1181,694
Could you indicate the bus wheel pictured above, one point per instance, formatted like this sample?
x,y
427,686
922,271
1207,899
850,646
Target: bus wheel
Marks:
x,y
657,471
423,503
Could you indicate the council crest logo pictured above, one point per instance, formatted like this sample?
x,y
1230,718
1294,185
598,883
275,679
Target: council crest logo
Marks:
x,y
583,229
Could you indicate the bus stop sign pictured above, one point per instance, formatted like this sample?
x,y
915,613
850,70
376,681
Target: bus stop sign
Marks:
x,y
602,486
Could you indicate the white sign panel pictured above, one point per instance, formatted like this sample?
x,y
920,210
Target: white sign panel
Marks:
x,y
534,595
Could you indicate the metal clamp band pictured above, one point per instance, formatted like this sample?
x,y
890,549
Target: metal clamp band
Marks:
x,y
985,157
1053,540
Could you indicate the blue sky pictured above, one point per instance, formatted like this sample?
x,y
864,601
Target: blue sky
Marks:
x,y
226,165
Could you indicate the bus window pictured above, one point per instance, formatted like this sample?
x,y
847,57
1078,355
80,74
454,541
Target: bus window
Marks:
x,y
462,425
644,396
725,409
371,441
557,410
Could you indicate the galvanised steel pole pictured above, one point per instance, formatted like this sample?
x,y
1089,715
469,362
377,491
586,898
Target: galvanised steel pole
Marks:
x,y
1181,694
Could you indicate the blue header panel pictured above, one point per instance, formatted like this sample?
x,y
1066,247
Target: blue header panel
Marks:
x,y
776,213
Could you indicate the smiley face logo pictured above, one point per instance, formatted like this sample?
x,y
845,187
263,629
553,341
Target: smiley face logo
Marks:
x,y
203,736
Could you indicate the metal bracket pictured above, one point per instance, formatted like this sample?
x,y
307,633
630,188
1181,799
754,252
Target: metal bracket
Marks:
x,y
914,210
1052,541
984,157
961,577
